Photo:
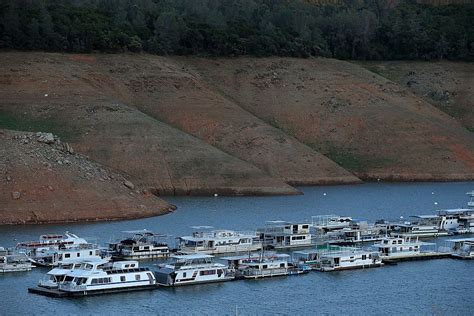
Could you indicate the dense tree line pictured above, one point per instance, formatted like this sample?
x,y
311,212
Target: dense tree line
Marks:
x,y
346,29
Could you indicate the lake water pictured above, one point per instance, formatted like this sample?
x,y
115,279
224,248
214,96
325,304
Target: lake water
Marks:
x,y
440,287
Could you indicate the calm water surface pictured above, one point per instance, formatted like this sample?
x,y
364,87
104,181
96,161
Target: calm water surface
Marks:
x,y
440,287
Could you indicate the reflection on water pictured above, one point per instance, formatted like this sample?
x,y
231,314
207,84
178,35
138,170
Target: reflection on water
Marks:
x,y
423,287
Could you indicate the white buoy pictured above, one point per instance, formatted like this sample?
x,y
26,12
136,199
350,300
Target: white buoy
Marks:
x,y
432,193
435,203
216,195
45,94
324,194
401,217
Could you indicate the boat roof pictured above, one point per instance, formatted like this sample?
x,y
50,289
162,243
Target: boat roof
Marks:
x,y
192,256
141,231
334,254
456,210
425,216
461,239
255,255
96,260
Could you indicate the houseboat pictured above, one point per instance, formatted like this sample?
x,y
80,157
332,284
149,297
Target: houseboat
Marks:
x,y
423,226
99,277
348,259
58,274
219,242
256,266
192,269
140,244
404,248
358,231
53,257
462,248
325,223
312,258
457,221
11,261
51,241
281,235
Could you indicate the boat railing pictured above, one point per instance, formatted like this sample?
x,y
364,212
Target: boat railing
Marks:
x,y
70,286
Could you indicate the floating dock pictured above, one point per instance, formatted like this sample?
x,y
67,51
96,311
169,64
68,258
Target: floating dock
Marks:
x,y
58,293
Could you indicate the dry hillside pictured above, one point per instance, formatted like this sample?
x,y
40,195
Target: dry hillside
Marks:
x,y
447,85
48,182
370,125
66,94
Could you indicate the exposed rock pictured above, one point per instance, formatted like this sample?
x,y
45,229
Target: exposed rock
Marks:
x,y
129,185
47,138
16,195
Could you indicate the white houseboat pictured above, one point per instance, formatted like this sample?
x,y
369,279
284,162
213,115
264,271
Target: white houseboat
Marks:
x,y
58,274
219,242
395,248
358,231
256,266
100,277
54,257
281,235
51,241
326,223
192,269
462,248
348,259
141,244
423,226
457,221
11,261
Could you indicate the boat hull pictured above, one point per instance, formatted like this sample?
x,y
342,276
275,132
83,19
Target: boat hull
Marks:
x,y
59,293
366,266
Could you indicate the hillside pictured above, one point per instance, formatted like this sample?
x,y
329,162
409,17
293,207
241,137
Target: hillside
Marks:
x,y
65,94
366,123
44,181
447,85
234,126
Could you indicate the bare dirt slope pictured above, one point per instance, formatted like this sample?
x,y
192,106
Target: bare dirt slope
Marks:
x,y
368,124
447,85
46,183
175,94
67,95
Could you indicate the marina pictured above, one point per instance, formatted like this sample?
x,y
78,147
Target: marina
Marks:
x,y
375,275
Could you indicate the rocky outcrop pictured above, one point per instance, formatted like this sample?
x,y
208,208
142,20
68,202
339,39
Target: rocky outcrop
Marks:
x,y
40,182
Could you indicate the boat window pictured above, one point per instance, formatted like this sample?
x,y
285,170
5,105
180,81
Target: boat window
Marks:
x,y
137,277
127,266
264,266
78,254
411,248
88,266
95,281
400,241
282,265
68,279
146,248
90,253
364,257
305,226
122,278
207,272
67,255
394,242
184,274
